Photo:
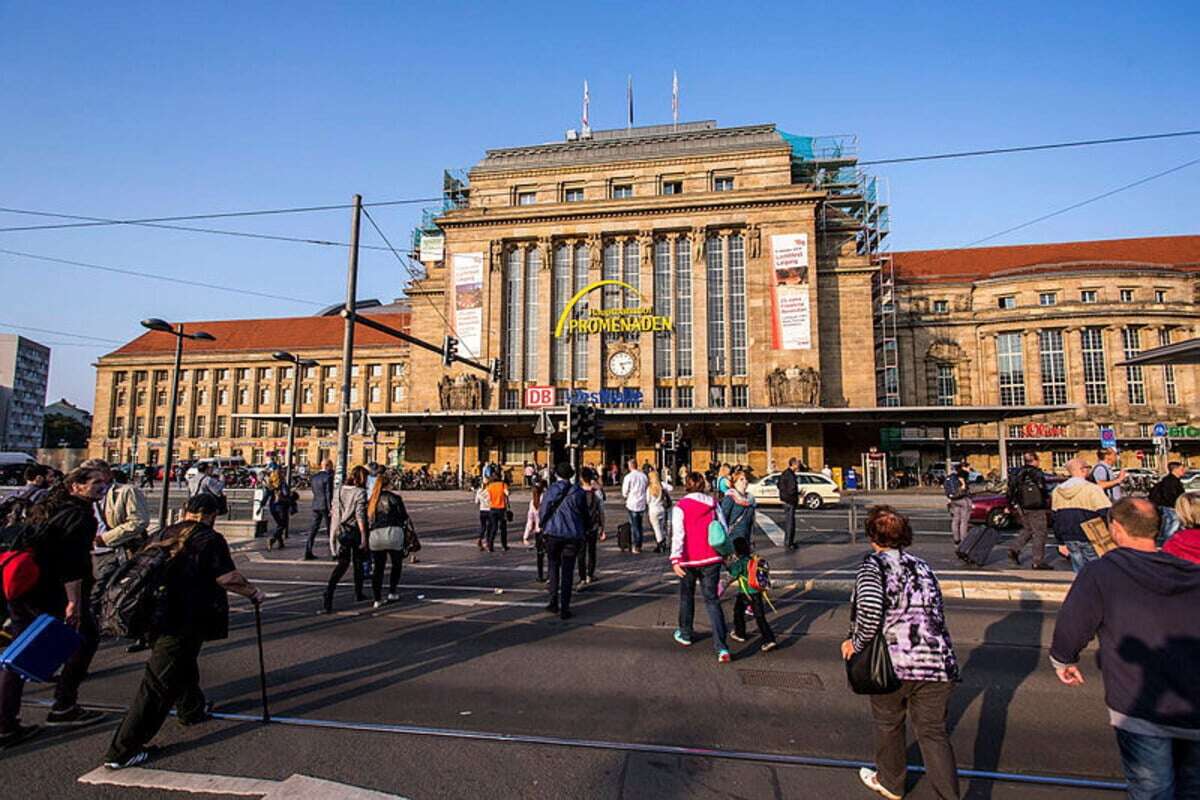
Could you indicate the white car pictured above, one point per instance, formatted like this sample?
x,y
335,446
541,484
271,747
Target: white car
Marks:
x,y
815,490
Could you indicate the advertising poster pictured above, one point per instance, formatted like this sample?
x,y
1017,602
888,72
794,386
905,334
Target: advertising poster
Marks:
x,y
468,302
432,248
792,323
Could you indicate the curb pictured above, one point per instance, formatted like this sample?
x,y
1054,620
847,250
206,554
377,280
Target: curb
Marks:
x,y
958,589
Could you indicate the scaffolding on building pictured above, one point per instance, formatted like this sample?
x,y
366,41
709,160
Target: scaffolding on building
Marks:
x,y
456,193
854,221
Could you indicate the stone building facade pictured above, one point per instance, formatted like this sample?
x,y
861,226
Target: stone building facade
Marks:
x,y
1047,324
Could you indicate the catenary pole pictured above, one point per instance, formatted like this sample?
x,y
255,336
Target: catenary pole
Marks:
x,y
348,342
164,501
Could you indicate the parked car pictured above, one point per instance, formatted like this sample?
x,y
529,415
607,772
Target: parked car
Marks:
x,y
936,474
992,508
816,491
1191,480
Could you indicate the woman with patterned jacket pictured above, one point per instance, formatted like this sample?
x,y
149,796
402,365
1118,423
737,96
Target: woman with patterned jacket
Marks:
x,y
899,590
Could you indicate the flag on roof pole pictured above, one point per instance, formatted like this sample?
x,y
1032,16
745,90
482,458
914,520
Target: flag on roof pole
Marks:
x,y
675,98
629,97
586,100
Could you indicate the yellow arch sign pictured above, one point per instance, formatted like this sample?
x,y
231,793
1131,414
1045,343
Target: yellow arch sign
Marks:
x,y
610,320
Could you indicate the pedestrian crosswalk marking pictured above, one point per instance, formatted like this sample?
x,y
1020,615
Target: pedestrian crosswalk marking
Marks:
x,y
297,787
770,528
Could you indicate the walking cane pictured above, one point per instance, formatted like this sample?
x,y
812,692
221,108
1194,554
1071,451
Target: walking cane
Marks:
x,y
262,667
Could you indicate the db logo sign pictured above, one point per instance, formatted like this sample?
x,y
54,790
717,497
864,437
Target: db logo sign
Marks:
x,y
539,396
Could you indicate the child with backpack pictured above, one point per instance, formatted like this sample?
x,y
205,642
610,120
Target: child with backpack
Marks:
x,y
751,576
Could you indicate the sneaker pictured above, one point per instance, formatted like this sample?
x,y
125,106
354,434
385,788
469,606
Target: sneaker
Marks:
x,y
137,647
377,604
737,637
683,640
309,557
1043,565
74,716
140,757
723,657
393,597
870,779
637,551
323,611
21,734
768,647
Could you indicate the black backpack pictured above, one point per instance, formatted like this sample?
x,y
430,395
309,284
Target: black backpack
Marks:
x,y
1030,494
134,603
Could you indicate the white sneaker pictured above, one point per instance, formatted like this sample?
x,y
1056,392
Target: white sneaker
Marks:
x,y
393,597
378,604
870,779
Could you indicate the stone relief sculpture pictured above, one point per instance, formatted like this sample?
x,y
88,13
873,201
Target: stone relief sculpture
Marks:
x,y
496,260
796,387
460,392
754,241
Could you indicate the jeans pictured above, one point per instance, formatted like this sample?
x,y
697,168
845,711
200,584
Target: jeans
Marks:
x,y
789,524
658,523
1033,527
1159,768
497,521
380,559
924,704
561,554
1169,524
281,516
319,516
635,528
755,601
708,577
960,518
66,692
346,556
587,555
1080,554
172,678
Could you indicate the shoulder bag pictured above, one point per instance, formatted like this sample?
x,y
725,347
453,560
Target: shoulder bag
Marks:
x,y
869,671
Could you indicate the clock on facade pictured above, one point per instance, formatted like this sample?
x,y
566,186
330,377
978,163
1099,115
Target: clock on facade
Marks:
x,y
621,364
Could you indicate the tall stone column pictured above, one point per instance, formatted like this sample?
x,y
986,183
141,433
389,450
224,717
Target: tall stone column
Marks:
x,y
645,379
699,318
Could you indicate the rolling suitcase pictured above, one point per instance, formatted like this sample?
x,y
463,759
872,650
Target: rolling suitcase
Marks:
x,y
41,649
977,547
624,536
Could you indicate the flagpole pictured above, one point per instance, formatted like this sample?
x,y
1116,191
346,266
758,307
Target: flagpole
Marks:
x,y
674,100
629,98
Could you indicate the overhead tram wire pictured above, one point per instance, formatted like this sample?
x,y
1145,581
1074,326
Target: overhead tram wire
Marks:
x,y
1028,148
91,222
86,222
412,273
60,333
950,251
157,277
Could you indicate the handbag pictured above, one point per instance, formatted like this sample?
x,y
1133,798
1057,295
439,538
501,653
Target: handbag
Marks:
x,y
412,543
389,537
718,533
349,534
870,671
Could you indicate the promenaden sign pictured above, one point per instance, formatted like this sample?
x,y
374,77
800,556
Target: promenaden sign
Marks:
x,y
640,319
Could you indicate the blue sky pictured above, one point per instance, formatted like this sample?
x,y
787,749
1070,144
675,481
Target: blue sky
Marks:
x,y
128,110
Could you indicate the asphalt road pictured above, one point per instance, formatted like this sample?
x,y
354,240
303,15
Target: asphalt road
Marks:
x,y
467,688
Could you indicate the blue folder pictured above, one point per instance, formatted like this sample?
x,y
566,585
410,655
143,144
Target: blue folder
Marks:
x,y
41,649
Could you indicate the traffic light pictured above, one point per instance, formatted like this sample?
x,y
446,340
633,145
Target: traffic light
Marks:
x,y
449,350
590,428
575,415
497,369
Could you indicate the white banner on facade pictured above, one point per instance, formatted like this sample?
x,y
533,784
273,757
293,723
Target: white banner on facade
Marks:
x,y
792,323
433,248
468,302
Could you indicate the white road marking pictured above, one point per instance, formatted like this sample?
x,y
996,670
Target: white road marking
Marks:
x,y
769,527
297,787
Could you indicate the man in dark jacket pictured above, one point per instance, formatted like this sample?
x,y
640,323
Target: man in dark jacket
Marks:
x,y
789,495
1027,493
196,610
1142,604
322,501
565,518
1164,494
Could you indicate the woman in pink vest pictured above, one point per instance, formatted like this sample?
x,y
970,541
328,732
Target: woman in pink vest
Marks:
x,y
694,560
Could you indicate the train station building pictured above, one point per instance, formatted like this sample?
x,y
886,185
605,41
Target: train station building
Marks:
x,y
727,289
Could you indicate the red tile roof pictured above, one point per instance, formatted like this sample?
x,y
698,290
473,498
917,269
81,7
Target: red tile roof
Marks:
x,y
984,262
279,333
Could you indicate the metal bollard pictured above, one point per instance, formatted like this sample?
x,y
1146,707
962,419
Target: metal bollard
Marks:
x,y
853,522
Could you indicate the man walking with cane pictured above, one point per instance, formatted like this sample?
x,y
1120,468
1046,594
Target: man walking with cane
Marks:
x,y
198,575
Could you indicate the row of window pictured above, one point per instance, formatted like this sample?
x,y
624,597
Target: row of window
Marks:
x,y
200,375
1008,302
617,189
221,426
266,395
1010,368
671,296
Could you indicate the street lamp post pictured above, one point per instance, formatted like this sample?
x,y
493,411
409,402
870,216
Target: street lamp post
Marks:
x,y
176,331
297,362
